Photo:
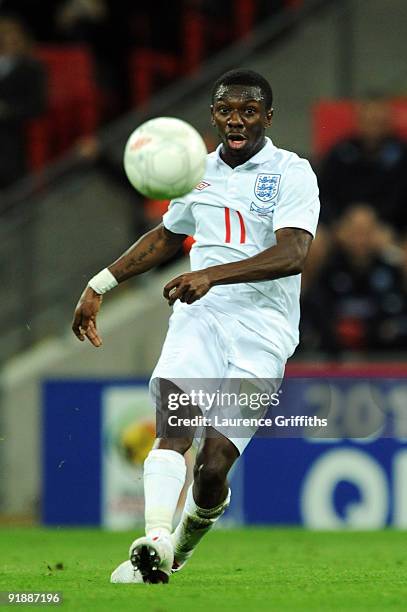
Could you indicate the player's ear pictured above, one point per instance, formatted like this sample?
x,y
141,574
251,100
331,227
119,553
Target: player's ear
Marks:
x,y
269,117
212,117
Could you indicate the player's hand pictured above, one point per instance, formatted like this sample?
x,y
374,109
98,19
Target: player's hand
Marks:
x,y
187,287
84,322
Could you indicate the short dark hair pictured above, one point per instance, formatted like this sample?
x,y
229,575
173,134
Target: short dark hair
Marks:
x,y
246,77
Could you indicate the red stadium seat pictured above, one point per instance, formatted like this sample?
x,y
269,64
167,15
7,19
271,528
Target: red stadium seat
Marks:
x,y
201,32
334,120
73,103
38,148
145,67
400,116
245,14
194,28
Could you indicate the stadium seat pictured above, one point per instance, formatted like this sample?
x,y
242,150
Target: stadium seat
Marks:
x,y
336,119
145,67
201,32
73,106
332,121
245,17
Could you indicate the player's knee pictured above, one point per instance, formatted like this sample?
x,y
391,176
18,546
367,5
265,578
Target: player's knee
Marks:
x,y
180,445
209,474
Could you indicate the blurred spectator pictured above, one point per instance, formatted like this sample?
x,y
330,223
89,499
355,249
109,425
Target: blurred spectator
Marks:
x,y
112,30
370,166
317,256
106,26
41,23
22,96
358,301
162,34
90,22
75,14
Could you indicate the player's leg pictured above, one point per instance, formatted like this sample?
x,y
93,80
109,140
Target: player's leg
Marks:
x,y
213,462
208,497
152,555
193,351
164,478
164,467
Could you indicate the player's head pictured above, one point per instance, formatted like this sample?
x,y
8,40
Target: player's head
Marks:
x,y
247,79
241,110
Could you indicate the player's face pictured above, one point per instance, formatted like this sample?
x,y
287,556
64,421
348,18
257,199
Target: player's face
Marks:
x,y
240,115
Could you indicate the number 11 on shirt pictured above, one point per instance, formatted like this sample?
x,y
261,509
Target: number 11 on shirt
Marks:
x,y
228,229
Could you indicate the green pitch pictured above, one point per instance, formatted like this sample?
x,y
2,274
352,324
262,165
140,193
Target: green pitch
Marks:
x,y
237,570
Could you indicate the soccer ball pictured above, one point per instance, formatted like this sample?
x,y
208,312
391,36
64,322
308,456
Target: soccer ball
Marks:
x,y
165,158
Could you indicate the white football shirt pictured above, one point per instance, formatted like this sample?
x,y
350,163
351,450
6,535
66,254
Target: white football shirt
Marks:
x,y
233,214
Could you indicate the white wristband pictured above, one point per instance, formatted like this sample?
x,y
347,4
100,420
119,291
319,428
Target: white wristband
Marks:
x,y
103,282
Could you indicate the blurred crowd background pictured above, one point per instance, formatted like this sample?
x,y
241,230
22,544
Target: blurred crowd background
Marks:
x,y
71,69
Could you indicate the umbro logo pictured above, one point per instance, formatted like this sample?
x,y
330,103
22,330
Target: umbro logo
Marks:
x,y
202,185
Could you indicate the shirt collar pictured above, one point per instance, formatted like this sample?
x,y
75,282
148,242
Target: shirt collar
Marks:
x,y
261,156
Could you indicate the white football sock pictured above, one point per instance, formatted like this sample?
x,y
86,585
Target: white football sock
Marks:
x,y
164,477
194,524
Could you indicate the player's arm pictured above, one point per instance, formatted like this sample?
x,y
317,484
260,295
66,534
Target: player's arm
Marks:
x,y
153,248
285,258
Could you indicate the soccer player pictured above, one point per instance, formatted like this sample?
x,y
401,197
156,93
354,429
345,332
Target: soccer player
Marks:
x,y
235,315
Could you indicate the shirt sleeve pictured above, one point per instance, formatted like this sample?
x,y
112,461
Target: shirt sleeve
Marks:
x,y
298,205
179,218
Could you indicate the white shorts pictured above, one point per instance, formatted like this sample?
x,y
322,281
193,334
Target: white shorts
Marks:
x,y
205,345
